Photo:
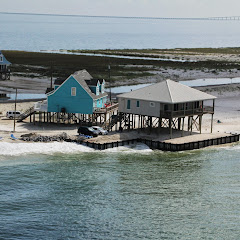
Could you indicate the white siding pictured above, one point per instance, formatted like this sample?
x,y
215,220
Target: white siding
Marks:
x,y
143,109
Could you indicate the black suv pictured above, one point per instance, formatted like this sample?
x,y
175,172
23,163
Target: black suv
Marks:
x,y
88,131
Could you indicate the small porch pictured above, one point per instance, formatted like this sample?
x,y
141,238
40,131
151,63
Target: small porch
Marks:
x,y
187,109
4,72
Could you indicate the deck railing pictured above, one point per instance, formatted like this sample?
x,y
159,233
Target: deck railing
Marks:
x,y
5,71
106,109
188,112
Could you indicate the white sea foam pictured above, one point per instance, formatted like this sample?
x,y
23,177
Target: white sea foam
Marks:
x,y
232,147
133,148
14,149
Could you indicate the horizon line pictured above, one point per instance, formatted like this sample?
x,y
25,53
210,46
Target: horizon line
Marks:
x,y
104,16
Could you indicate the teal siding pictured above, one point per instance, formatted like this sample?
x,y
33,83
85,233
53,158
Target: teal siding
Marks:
x,y
104,100
81,103
100,102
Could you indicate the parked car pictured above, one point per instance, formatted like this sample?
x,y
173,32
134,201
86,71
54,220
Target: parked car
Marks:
x,y
88,131
11,114
101,130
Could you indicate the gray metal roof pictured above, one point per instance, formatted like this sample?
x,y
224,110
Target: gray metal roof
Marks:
x,y
94,81
168,92
83,75
5,61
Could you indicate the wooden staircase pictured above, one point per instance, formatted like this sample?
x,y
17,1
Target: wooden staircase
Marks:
x,y
114,120
26,114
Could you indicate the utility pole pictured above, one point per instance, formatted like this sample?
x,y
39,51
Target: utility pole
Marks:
x,y
15,109
51,75
109,74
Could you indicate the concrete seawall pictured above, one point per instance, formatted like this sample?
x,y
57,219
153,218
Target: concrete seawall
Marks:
x,y
167,146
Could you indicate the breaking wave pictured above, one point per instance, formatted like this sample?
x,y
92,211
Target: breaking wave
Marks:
x,y
14,149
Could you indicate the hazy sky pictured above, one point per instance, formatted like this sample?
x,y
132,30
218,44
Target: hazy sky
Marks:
x,y
147,8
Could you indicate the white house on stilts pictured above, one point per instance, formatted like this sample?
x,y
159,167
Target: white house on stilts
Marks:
x,y
165,104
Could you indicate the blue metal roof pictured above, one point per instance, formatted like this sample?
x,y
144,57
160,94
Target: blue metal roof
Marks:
x,y
4,60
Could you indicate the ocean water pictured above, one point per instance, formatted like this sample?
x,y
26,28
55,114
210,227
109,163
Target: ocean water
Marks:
x,y
68,191
39,32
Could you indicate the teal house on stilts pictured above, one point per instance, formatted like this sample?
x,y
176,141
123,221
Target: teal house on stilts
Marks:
x,y
79,93
4,68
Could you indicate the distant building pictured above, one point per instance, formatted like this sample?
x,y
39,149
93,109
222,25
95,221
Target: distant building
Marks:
x,y
3,96
79,93
170,102
4,67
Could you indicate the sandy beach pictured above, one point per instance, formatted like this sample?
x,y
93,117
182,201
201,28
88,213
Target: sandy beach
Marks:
x,y
226,121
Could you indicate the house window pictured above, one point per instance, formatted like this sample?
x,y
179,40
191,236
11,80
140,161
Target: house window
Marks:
x,y
181,106
165,107
103,88
128,104
175,107
196,105
97,90
1,59
73,91
138,104
152,104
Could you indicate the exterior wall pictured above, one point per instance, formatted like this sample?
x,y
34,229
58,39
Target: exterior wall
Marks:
x,y
61,98
144,107
102,87
99,103
104,101
97,90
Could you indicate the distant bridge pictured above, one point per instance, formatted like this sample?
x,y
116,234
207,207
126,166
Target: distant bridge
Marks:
x,y
236,18
225,18
168,18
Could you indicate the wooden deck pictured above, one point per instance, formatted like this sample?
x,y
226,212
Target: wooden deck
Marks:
x,y
107,109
